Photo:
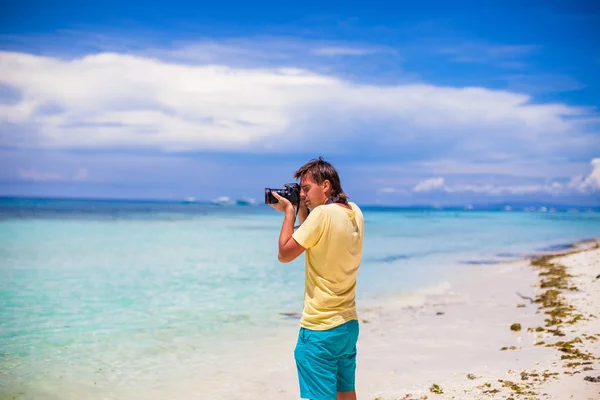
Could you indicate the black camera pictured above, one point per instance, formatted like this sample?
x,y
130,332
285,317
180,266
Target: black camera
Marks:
x,y
291,191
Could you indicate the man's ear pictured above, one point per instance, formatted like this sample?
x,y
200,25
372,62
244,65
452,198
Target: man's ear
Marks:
x,y
326,185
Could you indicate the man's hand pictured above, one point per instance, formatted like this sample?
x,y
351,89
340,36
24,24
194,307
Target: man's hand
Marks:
x,y
282,204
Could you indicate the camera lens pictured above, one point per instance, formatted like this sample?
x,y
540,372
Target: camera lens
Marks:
x,y
269,198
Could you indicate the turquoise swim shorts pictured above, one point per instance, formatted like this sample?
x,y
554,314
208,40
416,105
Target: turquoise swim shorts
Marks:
x,y
326,361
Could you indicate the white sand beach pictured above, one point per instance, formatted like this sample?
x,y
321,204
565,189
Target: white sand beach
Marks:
x,y
461,346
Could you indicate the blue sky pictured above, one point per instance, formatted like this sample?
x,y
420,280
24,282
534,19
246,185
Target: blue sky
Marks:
x,y
414,102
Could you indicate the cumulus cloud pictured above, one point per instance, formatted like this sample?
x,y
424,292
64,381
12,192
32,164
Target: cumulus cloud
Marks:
x,y
112,100
431,184
588,184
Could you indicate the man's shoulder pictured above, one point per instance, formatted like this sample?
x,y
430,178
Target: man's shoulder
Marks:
x,y
355,206
326,209
318,211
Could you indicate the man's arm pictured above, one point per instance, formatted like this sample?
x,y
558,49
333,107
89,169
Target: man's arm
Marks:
x,y
289,249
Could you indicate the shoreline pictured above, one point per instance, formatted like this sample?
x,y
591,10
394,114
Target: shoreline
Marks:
x,y
454,339
449,341
462,345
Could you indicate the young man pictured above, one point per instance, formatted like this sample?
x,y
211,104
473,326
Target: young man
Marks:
x,y
332,235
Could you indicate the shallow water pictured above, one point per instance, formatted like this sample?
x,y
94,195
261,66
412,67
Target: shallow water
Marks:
x,y
106,297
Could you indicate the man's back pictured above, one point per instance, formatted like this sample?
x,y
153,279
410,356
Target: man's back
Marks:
x,y
333,236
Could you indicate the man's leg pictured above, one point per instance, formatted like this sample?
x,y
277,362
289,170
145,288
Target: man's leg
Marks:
x,y
346,395
316,365
347,364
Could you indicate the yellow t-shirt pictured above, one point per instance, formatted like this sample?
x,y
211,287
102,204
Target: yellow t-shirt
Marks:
x,y
333,238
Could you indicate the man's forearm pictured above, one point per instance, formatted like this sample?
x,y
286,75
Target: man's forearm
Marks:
x,y
287,228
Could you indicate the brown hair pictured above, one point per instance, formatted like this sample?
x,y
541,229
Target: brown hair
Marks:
x,y
320,171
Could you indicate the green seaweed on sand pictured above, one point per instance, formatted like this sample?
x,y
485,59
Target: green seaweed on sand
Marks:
x,y
576,318
572,352
491,391
409,397
591,338
558,314
538,329
515,327
549,375
556,279
572,372
557,275
556,332
549,299
517,388
535,376
486,388
435,388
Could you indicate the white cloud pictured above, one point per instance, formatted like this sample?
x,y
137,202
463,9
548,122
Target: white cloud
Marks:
x,y
390,190
430,184
33,175
592,182
589,184
112,100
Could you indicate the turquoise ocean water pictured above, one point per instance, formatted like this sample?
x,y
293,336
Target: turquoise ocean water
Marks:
x,y
131,294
